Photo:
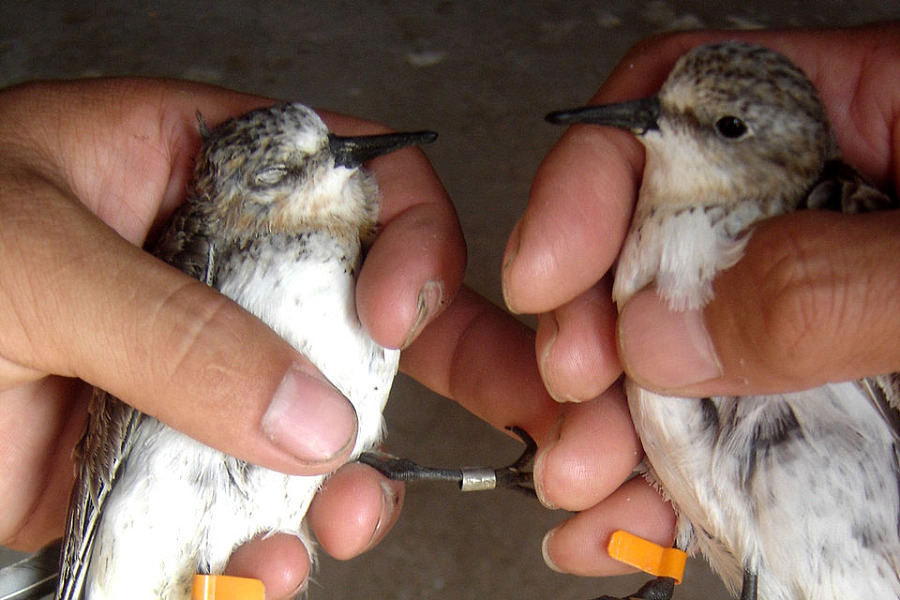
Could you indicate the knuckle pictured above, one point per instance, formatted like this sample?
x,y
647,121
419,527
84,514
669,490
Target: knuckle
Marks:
x,y
182,330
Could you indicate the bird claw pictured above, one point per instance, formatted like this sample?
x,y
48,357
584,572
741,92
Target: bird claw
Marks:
x,y
512,477
516,476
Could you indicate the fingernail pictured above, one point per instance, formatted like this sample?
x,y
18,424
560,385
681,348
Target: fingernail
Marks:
x,y
429,300
512,250
545,543
389,502
300,591
549,327
539,480
668,350
540,461
309,418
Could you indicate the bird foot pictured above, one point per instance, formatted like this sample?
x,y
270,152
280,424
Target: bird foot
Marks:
x,y
512,477
661,588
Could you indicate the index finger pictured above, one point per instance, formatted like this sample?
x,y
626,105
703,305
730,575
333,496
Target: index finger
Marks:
x,y
578,210
417,261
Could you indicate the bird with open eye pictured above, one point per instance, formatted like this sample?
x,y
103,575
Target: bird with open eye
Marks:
x,y
790,496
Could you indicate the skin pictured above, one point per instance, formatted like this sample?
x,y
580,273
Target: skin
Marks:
x,y
815,299
91,171
101,157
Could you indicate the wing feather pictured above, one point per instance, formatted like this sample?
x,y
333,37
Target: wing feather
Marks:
x,y
110,432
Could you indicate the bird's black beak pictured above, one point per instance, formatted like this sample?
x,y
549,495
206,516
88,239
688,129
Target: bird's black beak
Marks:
x,y
352,152
637,116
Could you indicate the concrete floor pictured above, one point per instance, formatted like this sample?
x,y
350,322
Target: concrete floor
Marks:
x,y
482,74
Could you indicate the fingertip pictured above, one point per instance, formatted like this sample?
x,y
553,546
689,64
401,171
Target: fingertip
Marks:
x,y
578,211
410,274
429,303
354,510
665,349
579,545
509,256
576,347
595,451
280,561
310,419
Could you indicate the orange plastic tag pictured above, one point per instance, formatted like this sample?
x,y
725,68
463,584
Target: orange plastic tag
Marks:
x,y
647,556
225,587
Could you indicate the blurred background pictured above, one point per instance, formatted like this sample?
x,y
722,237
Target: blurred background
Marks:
x,y
483,75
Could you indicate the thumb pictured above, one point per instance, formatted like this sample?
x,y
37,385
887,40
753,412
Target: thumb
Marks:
x,y
816,299
76,299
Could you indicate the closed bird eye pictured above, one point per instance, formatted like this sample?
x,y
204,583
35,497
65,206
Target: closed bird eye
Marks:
x,y
731,127
271,175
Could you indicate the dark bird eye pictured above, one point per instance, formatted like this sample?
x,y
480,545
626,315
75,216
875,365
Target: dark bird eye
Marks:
x,y
731,127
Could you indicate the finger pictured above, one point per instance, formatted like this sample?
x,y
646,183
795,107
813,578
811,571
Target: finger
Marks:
x,y
577,215
354,510
815,299
96,307
416,264
578,546
176,351
580,201
595,451
280,561
122,147
576,346
37,476
484,359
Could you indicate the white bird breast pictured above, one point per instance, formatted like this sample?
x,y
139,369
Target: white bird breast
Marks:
x,y
180,506
306,294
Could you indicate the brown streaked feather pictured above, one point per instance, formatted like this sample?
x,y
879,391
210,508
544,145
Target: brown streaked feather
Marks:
x,y
186,243
840,187
100,454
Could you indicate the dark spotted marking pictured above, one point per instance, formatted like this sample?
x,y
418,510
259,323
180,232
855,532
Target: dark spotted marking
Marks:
x,y
771,433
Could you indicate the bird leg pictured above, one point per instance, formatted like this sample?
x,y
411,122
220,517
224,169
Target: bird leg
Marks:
x,y
663,588
512,477
660,588
748,588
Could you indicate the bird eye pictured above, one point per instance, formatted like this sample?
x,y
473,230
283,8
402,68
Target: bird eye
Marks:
x,y
731,127
270,175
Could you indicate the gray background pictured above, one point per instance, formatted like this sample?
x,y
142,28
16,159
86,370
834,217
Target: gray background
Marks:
x,y
482,74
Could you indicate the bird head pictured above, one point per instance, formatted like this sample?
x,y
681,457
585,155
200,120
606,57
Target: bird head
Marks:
x,y
732,122
279,169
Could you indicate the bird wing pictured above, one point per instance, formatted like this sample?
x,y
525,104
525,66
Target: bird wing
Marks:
x,y
100,454
884,392
840,187
110,432
187,244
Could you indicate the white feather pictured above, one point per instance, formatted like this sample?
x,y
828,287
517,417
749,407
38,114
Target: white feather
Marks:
x,y
791,519
682,250
181,491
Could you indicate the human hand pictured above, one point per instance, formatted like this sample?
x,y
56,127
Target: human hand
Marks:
x,y
89,170
815,298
